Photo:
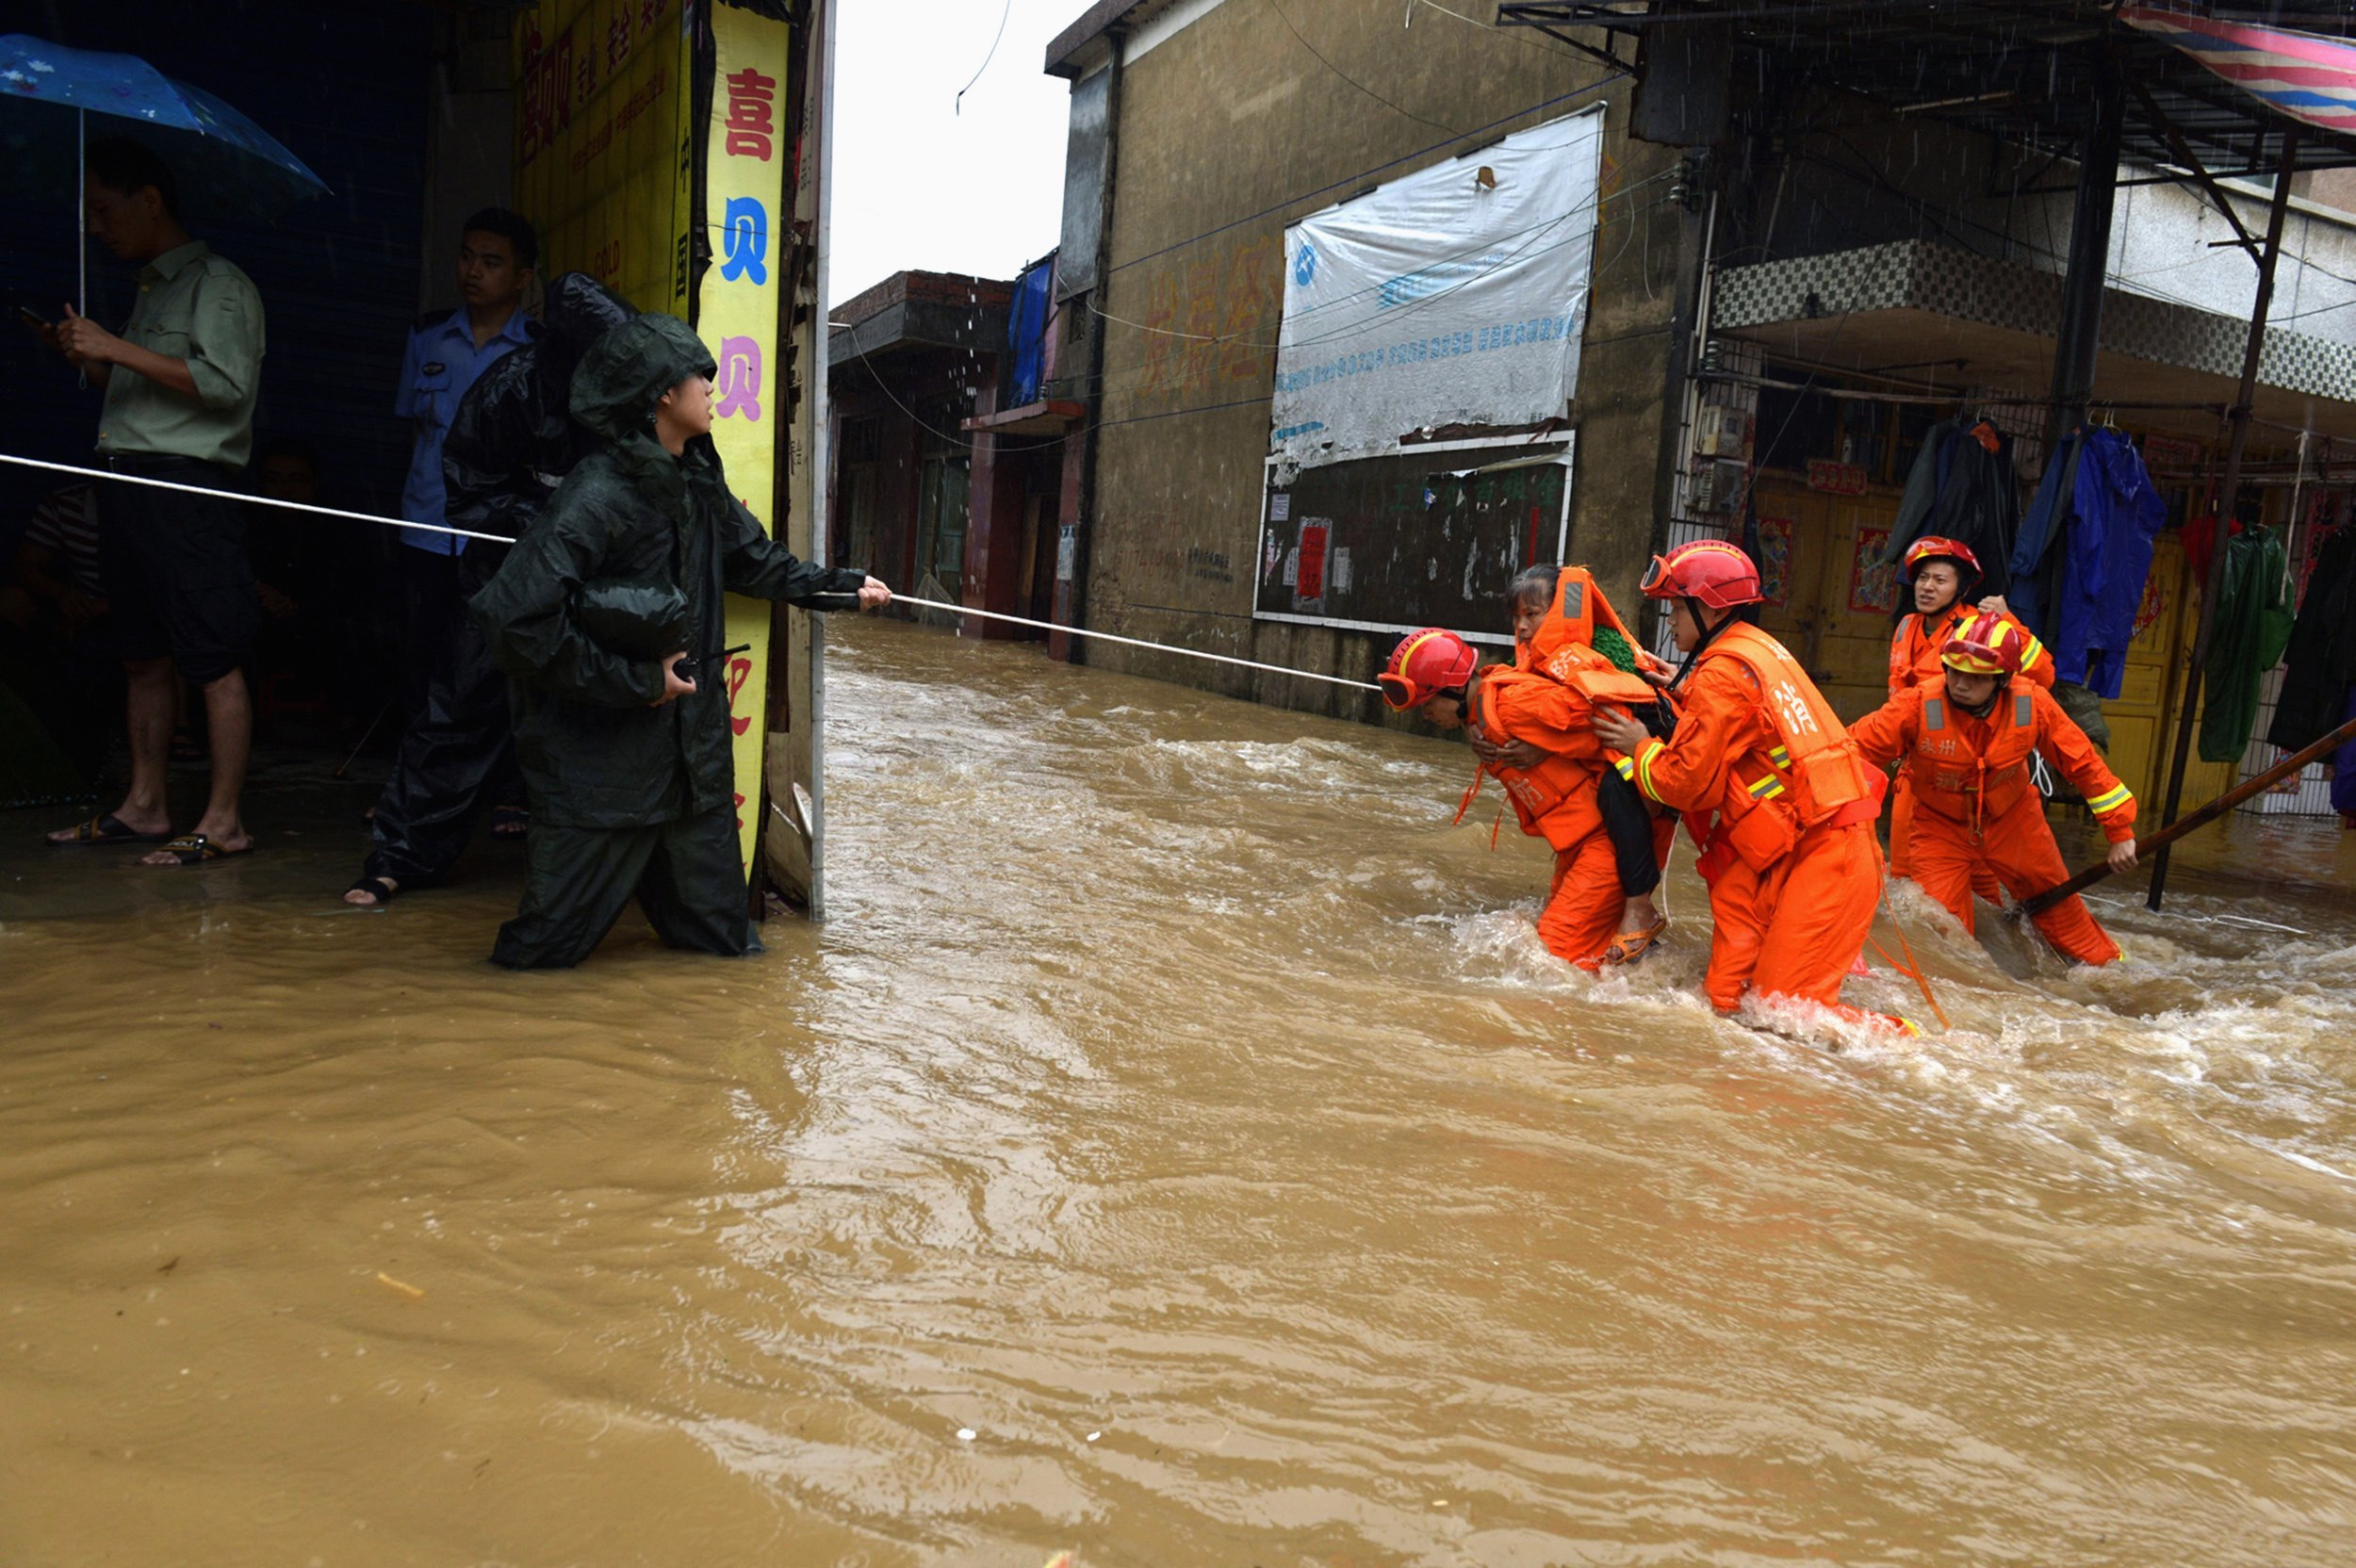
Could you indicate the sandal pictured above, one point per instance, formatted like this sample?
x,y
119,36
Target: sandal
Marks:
x,y
195,849
108,828
1630,947
510,822
377,888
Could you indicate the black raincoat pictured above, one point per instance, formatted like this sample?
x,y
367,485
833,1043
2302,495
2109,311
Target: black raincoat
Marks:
x,y
627,797
511,440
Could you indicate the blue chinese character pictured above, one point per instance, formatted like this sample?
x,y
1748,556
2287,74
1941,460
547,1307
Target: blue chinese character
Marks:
x,y
744,240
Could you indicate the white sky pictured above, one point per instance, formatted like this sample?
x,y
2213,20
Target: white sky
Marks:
x,y
917,187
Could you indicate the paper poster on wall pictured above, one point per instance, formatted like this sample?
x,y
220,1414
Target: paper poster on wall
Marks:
x,y
1873,581
1441,297
1774,560
749,147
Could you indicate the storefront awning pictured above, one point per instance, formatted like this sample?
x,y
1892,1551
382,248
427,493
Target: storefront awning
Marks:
x,y
1048,417
1958,320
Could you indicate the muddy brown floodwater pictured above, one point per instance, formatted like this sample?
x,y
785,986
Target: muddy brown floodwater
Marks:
x,y
1176,1150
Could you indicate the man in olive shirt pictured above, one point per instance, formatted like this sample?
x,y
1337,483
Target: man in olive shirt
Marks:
x,y
180,386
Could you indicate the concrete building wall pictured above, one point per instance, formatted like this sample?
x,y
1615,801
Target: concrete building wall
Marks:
x,y
1229,127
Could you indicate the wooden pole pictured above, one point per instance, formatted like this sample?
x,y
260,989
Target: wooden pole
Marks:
x,y
2040,902
2227,500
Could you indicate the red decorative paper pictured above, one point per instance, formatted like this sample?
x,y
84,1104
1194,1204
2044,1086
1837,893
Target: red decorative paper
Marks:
x,y
1873,581
1774,560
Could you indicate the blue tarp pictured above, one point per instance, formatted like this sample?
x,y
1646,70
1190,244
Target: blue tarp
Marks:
x,y
1026,331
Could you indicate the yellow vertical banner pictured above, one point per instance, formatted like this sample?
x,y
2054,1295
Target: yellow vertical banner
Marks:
x,y
604,127
748,149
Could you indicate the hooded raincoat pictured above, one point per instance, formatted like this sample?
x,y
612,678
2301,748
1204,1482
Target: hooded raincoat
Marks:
x,y
511,442
627,797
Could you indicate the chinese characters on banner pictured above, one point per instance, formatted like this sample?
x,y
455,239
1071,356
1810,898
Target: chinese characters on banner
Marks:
x,y
602,121
748,148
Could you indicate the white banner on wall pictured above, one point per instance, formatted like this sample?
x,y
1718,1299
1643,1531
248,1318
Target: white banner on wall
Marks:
x,y
1440,297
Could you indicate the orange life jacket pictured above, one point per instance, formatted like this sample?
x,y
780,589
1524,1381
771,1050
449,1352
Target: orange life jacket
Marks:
x,y
1812,776
1555,800
1566,640
1970,772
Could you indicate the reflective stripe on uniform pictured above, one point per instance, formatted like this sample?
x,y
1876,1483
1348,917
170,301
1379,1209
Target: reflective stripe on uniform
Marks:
x,y
1767,788
1644,767
1627,768
2023,711
2110,800
1933,713
1779,756
2030,655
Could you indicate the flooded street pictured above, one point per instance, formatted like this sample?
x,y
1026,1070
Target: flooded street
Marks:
x,y
1177,1149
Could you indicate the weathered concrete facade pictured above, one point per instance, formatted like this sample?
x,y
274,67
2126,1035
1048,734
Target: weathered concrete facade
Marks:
x,y
1234,120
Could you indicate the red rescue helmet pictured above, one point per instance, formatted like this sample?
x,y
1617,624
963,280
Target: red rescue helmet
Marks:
x,y
1932,548
1716,573
1984,643
1425,664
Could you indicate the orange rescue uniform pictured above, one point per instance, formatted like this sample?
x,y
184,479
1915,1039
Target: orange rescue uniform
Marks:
x,y
1914,661
1556,800
1976,808
1794,873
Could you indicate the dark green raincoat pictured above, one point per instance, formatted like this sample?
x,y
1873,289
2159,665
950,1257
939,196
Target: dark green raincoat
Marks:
x,y
625,797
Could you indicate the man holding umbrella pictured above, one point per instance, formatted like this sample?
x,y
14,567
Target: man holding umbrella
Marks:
x,y
180,384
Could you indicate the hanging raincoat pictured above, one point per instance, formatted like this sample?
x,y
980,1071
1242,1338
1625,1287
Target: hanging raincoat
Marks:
x,y
2321,654
2085,549
628,798
2252,628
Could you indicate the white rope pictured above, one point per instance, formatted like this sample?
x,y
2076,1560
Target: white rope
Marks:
x,y
1133,641
112,477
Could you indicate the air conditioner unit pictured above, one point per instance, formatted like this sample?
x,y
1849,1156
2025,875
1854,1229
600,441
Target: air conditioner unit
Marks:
x,y
1718,487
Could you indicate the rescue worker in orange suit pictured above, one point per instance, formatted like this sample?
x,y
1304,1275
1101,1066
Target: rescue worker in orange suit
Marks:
x,y
1435,674
1942,575
1771,786
1965,751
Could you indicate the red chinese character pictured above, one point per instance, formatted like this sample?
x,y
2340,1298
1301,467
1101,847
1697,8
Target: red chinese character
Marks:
x,y
649,11
618,39
751,120
740,670
738,383
586,79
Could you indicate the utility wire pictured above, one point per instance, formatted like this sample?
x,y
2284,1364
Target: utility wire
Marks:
x,y
109,476
956,104
1277,6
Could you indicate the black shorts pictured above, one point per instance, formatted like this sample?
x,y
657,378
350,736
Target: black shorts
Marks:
x,y
179,583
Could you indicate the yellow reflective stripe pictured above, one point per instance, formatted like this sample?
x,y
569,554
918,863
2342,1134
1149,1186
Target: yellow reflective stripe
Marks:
x,y
1627,766
2111,800
1781,758
1644,767
2030,655
1766,787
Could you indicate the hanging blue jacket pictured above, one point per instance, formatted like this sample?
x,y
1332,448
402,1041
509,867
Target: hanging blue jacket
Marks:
x,y
2104,535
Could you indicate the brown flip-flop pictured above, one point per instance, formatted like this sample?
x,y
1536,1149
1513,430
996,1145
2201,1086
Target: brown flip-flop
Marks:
x,y
108,828
195,849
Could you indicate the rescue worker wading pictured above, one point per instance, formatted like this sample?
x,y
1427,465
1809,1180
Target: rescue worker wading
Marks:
x,y
1942,574
1965,751
1433,672
1772,786
626,762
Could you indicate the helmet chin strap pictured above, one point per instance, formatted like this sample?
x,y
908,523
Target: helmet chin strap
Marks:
x,y
1709,633
1981,710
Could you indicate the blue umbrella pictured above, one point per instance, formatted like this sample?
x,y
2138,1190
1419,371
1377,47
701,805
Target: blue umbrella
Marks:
x,y
226,164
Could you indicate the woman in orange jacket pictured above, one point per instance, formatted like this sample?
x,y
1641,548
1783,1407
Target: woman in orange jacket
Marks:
x,y
1977,813
1771,783
1435,673
1942,574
